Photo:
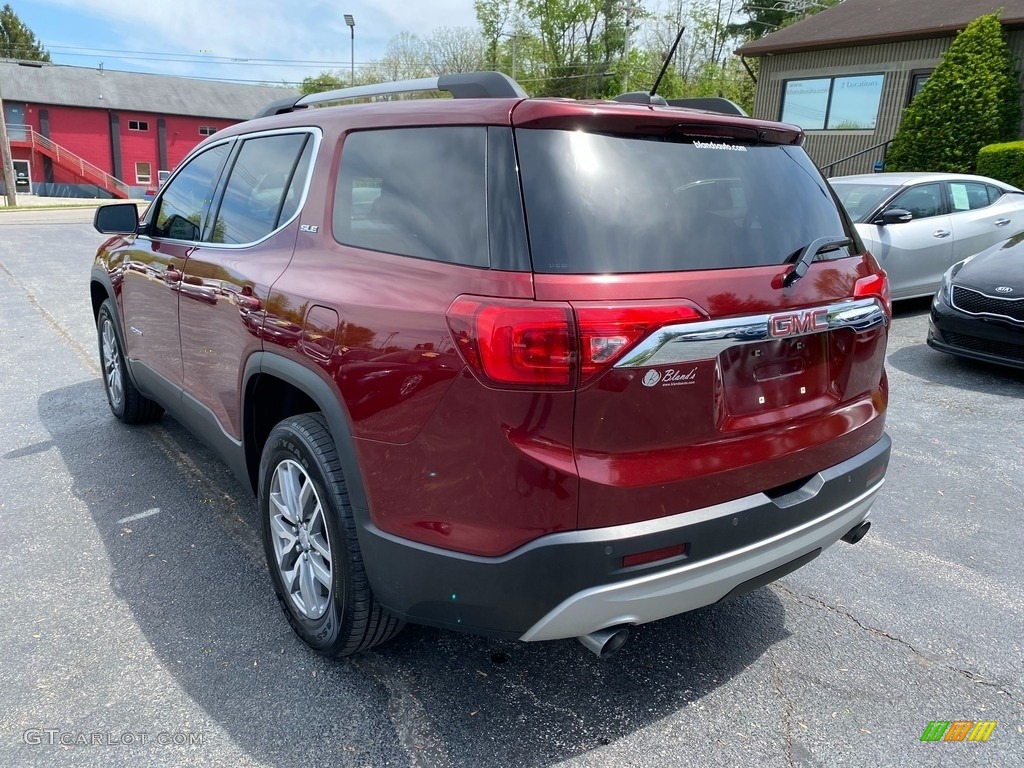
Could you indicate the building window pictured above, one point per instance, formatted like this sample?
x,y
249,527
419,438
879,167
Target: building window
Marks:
x,y
207,130
138,125
143,173
917,81
833,103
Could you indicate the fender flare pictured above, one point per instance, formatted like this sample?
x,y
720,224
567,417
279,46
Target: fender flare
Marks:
x,y
100,276
320,392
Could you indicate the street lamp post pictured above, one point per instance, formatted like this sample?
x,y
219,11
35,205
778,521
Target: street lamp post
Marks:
x,y
352,28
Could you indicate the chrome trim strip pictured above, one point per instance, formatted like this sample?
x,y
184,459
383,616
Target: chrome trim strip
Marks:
x,y
688,342
952,303
314,131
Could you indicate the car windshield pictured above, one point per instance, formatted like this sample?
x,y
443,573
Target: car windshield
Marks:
x,y
861,199
600,203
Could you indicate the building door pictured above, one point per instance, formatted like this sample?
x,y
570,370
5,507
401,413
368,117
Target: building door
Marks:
x,y
22,177
14,114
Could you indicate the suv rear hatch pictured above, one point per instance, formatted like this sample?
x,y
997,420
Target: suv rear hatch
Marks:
x,y
667,236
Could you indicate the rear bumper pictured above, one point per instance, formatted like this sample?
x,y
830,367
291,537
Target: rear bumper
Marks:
x,y
667,593
573,583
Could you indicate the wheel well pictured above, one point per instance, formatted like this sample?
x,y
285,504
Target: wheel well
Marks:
x,y
268,400
99,295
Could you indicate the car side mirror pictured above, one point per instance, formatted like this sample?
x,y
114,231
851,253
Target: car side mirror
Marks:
x,y
117,219
894,216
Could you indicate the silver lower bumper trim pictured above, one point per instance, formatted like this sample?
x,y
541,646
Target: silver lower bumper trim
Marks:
x,y
690,586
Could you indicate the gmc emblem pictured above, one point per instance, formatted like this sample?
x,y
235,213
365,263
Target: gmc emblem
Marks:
x,y
794,323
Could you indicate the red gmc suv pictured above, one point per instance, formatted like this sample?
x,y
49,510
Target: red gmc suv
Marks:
x,y
533,368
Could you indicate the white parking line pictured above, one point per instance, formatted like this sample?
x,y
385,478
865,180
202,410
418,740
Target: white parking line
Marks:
x,y
140,515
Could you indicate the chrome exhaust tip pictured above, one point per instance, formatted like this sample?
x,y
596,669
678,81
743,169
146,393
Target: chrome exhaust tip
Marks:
x,y
856,533
605,642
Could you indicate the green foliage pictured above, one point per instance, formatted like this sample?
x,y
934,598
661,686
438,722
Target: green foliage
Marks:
x,y
325,81
492,16
579,42
1004,162
765,16
972,99
17,41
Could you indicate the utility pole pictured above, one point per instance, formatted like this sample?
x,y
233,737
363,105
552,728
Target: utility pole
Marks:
x,y
628,7
10,181
515,36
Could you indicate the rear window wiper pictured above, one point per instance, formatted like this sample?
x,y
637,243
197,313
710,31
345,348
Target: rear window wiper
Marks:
x,y
804,257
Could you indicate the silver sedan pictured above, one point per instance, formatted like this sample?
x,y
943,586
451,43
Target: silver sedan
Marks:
x,y
919,224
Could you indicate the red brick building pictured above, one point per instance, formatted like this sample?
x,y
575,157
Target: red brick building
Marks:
x,y
79,132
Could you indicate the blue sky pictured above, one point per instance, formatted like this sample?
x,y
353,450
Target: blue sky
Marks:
x,y
211,32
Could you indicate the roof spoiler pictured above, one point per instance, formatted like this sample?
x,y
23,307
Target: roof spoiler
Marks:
x,y
705,103
641,97
462,85
710,104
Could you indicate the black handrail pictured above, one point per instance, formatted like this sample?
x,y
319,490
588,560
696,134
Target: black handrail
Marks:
x,y
828,168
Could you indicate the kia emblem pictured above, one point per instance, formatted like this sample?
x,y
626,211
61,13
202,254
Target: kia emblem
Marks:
x,y
1004,289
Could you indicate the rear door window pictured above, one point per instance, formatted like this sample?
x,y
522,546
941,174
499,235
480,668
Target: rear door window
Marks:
x,y
600,203
968,196
263,189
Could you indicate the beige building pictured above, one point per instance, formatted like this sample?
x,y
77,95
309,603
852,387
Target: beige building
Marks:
x,y
845,75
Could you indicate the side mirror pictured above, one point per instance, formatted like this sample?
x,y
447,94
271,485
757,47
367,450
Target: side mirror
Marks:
x,y
893,216
117,219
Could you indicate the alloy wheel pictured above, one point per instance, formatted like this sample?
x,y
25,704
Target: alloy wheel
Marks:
x,y
302,547
112,364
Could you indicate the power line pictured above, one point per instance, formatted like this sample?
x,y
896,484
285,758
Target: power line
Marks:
x,y
190,58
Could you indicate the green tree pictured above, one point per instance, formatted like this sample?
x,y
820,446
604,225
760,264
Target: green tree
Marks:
x,y
325,81
492,16
579,40
971,99
765,16
17,41
455,49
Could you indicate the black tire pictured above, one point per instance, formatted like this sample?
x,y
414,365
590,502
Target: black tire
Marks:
x,y
331,608
126,402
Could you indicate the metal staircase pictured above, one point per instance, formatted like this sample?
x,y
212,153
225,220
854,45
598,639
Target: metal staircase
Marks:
x,y
27,136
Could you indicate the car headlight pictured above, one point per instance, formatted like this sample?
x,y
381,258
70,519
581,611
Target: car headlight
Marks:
x,y
947,280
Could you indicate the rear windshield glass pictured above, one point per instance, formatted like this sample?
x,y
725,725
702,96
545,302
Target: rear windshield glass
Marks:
x,y
599,203
861,199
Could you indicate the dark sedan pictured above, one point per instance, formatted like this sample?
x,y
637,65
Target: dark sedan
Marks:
x,y
979,310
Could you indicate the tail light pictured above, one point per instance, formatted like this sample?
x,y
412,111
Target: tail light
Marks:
x,y
876,286
550,345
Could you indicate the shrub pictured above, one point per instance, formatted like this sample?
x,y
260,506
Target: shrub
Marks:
x,y
1004,162
972,99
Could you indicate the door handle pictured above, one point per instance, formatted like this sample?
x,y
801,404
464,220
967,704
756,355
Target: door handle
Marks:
x,y
941,233
1001,222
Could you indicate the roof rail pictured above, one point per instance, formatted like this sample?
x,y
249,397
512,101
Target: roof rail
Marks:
x,y
461,85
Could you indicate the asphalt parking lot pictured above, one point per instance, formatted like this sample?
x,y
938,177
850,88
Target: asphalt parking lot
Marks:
x,y
139,617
